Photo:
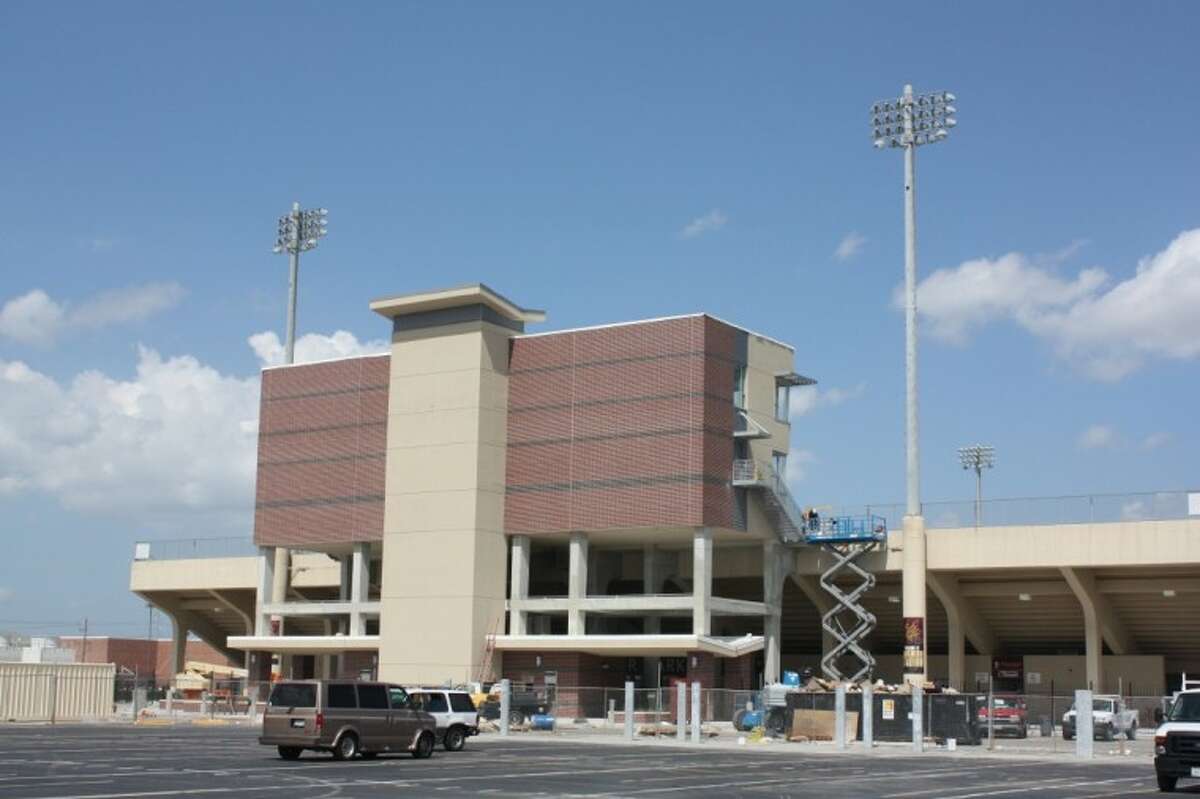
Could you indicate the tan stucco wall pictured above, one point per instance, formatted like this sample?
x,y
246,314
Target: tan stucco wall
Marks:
x,y
198,574
764,360
444,548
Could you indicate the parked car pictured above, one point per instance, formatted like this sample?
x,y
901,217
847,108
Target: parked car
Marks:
x,y
345,718
1110,718
453,711
1177,742
1008,716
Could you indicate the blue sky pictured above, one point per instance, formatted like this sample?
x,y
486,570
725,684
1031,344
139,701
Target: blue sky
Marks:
x,y
560,152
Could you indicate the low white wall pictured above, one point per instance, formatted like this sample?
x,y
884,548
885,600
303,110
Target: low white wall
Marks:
x,y
56,691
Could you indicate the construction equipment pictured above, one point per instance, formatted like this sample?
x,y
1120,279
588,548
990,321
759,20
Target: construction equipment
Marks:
x,y
847,539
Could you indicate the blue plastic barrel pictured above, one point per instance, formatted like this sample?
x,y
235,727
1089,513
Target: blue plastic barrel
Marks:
x,y
746,720
542,721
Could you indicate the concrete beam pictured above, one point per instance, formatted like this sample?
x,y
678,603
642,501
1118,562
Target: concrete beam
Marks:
x,y
777,563
519,585
360,588
811,588
702,577
577,582
246,617
263,592
1113,631
331,608
963,622
948,590
195,623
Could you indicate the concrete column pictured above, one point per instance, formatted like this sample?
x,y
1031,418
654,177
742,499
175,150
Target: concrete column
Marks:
x,y
281,581
822,601
265,590
650,579
839,716
518,618
505,705
913,578
179,636
629,705
918,719
774,569
1084,724
963,622
868,715
956,652
577,581
360,585
680,711
695,712
702,574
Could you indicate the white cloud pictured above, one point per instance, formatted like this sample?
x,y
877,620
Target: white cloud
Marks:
x,y
1098,436
5,594
1156,440
806,399
798,461
37,318
1107,331
713,220
849,246
314,347
178,439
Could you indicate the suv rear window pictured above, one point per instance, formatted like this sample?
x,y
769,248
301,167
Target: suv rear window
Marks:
x,y
434,703
293,695
372,697
342,695
461,703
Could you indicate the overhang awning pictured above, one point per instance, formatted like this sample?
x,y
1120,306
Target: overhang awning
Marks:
x,y
305,644
793,379
632,645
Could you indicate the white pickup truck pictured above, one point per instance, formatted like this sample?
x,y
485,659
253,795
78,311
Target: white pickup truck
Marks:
x,y
1110,718
1177,741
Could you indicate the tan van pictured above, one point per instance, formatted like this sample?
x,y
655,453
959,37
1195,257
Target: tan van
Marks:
x,y
346,718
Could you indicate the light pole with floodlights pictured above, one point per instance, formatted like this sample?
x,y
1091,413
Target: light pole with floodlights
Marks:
x,y
908,122
977,458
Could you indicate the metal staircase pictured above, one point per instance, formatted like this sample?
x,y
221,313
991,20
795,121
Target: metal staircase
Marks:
x,y
785,515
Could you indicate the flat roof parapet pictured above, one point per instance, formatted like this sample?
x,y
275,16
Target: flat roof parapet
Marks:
x,y
455,297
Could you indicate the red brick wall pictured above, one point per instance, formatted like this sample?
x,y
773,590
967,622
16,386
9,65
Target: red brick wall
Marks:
x,y
141,655
623,426
322,440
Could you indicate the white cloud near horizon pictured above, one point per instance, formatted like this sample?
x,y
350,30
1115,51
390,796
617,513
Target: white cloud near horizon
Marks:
x,y
314,347
849,246
1104,329
806,399
174,442
1156,440
712,221
37,318
1098,436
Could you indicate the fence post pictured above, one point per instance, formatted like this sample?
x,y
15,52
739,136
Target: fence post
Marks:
x,y
918,722
868,715
696,712
1083,724
991,712
628,710
681,711
839,715
505,700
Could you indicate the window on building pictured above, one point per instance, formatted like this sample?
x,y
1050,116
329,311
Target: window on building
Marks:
x,y
436,703
372,697
783,401
779,461
461,703
342,695
739,386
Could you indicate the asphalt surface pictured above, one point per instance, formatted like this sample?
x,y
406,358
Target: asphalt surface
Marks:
x,y
123,762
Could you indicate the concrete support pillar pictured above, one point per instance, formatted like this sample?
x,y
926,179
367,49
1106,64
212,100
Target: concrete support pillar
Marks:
x,y
822,601
629,710
956,653
651,584
776,564
913,578
702,576
360,585
179,636
1101,625
265,590
963,623
518,618
280,583
577,582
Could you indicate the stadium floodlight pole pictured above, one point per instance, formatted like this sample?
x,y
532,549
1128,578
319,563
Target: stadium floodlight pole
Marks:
x,y
977,458
298,232
908,122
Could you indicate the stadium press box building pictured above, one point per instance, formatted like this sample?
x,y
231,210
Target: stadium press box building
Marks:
x,y
608,503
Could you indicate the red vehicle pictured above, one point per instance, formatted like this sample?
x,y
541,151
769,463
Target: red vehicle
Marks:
x,y
1008,716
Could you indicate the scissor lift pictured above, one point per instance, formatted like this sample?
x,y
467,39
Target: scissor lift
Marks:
x,y
848,539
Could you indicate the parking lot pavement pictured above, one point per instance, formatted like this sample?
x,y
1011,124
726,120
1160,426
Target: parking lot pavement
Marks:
x,y
120,762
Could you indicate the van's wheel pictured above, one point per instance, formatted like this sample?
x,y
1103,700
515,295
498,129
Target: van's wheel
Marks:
x,y
1023,732
455,739
1167,784
424,747
346,747
290,752
1068,736
1110,733
515,718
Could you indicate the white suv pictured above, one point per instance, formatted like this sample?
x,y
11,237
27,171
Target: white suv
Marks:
x,y
1177,741
454,712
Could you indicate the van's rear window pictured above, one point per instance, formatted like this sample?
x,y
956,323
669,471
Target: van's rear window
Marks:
x,y
293,695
